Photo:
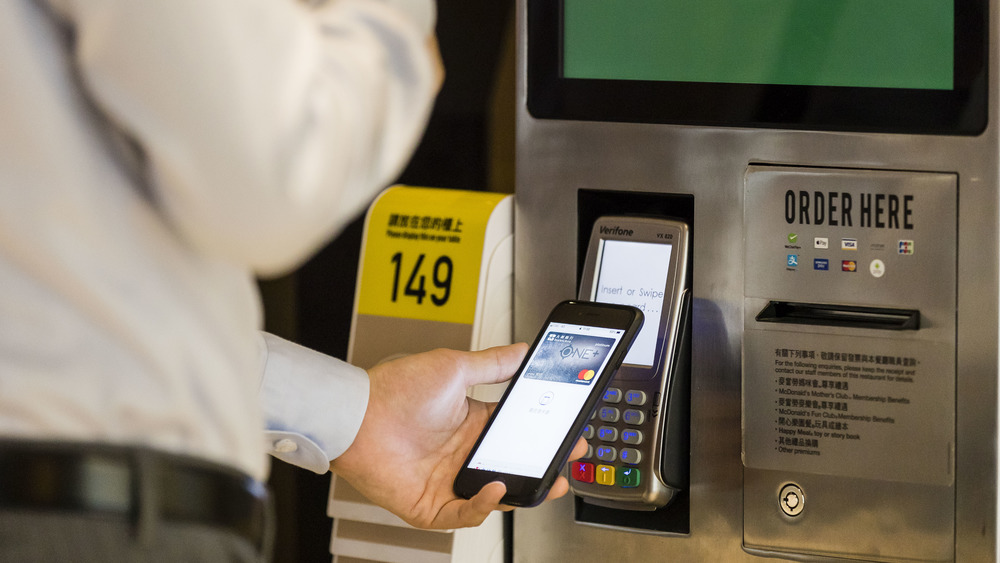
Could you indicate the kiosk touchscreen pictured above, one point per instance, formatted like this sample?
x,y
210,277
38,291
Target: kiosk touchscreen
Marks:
x,y
900,66
640,262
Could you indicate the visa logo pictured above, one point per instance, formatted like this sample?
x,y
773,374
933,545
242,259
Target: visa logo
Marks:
x,y
849,244
821,264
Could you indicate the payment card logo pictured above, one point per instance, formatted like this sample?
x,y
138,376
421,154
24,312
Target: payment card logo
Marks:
x,y
793,238
906,247
793,261
849,244
821,264
821,243
585,374
849,266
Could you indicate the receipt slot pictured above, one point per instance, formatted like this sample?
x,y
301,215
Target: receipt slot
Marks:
x,y
848,364
436,270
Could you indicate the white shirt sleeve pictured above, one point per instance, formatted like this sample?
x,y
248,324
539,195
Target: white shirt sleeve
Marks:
x,y
313,404
264,125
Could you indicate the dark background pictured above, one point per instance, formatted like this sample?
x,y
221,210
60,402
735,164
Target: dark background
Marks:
x,y
468,144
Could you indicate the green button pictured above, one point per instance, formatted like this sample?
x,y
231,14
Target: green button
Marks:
x,y
628,477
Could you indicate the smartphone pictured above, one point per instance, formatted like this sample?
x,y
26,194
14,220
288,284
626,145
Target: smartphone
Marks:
x,y
551,397
636,458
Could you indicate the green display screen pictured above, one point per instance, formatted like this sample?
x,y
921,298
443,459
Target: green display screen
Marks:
x,y
905,44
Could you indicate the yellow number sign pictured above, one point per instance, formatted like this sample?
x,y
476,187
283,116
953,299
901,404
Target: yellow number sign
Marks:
x,y
422,253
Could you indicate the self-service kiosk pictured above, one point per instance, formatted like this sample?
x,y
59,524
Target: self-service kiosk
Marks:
x,y
835,167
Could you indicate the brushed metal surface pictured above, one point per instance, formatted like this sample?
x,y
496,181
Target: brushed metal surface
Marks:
x,y
555,159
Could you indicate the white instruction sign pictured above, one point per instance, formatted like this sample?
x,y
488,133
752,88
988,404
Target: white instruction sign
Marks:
x,y
849,406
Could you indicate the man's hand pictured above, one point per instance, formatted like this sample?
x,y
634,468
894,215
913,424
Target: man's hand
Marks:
x,y
420,427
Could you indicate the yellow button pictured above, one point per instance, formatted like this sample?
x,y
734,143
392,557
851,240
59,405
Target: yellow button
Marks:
x,y
605,475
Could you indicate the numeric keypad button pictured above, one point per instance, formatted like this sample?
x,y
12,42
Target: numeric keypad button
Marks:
x,y
634,417
609,414
607,433
635,398
613,395
606,453
632,437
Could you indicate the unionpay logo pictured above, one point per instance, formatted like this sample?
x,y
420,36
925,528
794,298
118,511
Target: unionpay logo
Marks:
x,y
906,247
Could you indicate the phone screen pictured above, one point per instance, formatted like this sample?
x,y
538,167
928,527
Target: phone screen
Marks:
x,y
542,404
635,273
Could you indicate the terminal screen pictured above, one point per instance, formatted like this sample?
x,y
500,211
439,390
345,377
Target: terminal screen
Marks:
x,y
908,44
635,273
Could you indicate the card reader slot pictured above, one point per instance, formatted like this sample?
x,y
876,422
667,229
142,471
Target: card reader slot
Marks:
x,y
822,314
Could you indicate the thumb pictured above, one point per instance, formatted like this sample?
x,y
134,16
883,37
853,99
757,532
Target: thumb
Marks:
x,y
475,510
493,365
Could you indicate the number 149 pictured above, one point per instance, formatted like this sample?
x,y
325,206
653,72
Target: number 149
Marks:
x,y
440,277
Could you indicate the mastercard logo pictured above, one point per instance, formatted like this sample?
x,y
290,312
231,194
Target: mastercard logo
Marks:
x,y
585,374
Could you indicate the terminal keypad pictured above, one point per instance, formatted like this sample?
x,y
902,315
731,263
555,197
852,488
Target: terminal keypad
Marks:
x,y
615,437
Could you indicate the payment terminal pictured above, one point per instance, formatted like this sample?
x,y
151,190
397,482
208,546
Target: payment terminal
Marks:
x,y
642,262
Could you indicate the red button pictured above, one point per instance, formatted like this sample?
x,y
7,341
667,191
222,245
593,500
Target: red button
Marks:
x,y
583,471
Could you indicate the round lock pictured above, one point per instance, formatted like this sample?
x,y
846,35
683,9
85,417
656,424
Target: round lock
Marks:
x,y
791,499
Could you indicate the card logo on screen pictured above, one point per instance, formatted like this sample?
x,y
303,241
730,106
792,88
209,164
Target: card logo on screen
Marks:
x,y
569,358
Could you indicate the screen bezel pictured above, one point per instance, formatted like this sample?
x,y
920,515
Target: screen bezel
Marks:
x,y
672,288
960,111
529,491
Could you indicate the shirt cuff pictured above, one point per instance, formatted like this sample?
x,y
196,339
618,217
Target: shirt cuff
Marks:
x,y
313,404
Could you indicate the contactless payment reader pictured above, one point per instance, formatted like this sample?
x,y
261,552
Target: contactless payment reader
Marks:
x,y
631,463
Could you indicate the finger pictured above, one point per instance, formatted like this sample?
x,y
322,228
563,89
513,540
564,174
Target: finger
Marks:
x,y
579,449
493,365
559,488
476,509
490,407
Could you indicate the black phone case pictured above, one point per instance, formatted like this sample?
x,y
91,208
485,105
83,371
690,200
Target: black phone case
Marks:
x,y
525,491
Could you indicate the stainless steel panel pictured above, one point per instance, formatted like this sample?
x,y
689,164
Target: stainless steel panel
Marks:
x,y
555,159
